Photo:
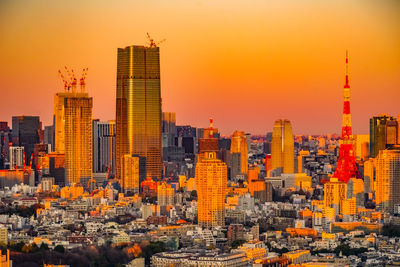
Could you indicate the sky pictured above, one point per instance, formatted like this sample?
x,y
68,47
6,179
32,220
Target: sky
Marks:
x,y
245,63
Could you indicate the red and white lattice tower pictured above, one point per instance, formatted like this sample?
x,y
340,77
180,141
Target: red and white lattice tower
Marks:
x,y
346,166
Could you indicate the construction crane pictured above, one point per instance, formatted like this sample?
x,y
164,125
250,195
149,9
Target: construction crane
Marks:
x,y
152,43
65,82
83,78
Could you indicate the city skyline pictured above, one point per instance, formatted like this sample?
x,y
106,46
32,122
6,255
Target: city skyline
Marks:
x,y
291,69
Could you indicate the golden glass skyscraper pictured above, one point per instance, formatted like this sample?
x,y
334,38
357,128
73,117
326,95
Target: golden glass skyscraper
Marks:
x,y
211,185
78,137
239,145
138,110
282,147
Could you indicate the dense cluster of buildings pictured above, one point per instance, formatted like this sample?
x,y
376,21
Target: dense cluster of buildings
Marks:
x,y
241,200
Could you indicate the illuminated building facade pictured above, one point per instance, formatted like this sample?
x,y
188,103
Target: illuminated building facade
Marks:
x,y
133,172
104,146
138,107
282,148
59,121
211,186
78,137
384,132
362,146
346,166
165,194
388,179
335,192
239,145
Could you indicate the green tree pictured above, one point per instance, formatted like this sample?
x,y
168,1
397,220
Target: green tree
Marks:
x,y
44,246
59,248
237,243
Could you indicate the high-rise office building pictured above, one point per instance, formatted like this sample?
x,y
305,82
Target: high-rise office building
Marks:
x,y
103,146
5,142
282,148
73,133
388,179
59,121
138,107
211,186
133,172
25,132
239,145
346,166
384,132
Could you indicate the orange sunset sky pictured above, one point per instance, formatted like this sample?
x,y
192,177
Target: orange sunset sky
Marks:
x,y
245,63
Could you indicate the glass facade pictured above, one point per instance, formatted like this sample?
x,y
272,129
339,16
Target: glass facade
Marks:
x,y
138,110
282,147
78,138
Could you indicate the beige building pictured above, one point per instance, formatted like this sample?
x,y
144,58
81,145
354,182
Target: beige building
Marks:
x,y
165,194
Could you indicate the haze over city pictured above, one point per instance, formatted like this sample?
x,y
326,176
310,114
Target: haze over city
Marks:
x,y
245,64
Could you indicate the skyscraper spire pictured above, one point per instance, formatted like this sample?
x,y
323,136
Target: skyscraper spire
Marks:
x,y
347,70
346,166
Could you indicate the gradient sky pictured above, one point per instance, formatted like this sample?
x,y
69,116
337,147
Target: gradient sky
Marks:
x,y
243,62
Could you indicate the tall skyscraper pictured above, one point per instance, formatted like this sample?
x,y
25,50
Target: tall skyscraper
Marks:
x,y
282,148
103,146
138,107
346,166
73,131
211,185
25,132
239,145
384,132
78,138
388,179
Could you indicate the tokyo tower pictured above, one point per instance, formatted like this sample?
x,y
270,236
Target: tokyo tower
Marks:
x,y
346,166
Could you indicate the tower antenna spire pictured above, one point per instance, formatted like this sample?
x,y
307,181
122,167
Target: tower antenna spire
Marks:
x,y
211,127
347,70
